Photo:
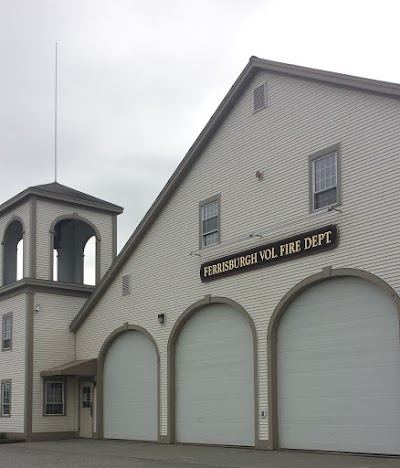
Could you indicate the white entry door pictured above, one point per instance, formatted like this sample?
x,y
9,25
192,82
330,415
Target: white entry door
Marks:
x,y
214,383
338,367
86,410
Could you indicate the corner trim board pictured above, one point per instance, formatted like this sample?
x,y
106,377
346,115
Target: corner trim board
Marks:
x,y
29,325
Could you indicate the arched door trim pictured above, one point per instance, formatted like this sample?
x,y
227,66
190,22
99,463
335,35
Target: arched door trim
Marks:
x,y
179,324
126,327
287,299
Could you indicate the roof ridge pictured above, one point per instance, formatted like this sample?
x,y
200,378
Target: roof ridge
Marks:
x,y
255,64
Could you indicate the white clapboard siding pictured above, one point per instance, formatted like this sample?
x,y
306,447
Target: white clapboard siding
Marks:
x,y
23,212
54,345
12,363
301,118
48,212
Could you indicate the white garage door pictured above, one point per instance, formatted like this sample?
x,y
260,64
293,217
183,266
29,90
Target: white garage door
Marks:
x,y
215,378
130,388
339,370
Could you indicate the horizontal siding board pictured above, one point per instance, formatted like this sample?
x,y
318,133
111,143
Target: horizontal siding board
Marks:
x,y
301,118
54,345
12,363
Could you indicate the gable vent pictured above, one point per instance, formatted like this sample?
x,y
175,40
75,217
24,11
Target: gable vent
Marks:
x,y
259,95
126,285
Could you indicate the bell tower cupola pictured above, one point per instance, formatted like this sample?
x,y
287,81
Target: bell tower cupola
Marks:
x,y
45,230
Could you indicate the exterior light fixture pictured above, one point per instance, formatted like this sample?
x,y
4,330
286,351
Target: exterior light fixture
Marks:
x,y
161,318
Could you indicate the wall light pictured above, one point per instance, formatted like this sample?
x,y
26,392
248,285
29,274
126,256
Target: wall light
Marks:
x,y
161,318
260,175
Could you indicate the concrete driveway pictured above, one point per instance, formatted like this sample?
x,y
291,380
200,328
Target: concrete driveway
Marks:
x,y
120,454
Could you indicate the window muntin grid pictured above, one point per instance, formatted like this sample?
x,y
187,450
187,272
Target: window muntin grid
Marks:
x,y
325,180
5,398
54,398
7,331
210,223
86,397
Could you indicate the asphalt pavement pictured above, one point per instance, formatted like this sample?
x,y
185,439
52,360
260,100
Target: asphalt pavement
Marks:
x,y
83,453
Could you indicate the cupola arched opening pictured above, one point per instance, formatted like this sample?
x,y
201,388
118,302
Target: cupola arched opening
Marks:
x,y
12,241
70,237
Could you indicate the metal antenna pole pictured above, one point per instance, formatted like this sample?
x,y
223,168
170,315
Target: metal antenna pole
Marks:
x,y
55,124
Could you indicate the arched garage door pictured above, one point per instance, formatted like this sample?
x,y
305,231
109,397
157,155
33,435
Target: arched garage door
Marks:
x,y
338,367
130,388
214,384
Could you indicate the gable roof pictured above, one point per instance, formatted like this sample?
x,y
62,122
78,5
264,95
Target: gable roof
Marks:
x,y
59,192
380,88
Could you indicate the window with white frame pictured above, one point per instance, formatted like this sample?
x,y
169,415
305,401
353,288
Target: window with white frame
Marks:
x,y
324,179
6,332
54,398
210,222
5,398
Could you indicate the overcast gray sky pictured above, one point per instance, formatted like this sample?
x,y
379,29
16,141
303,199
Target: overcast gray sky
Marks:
x,y
138,80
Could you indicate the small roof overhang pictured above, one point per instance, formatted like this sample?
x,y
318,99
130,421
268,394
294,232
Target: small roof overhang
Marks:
x,y
84,367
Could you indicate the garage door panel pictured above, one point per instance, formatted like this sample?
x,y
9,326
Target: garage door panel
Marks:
x,y
215,362
339,375
321,297
214,382
383,354
224,430
341,382
233,413
215,348
130,389
342,438
341,410
373,329
212,370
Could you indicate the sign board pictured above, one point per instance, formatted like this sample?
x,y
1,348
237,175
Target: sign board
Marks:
x,y
312,242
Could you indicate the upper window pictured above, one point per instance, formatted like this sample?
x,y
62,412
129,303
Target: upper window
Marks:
x,y
7,332
324,179
54,398
210,222
6,398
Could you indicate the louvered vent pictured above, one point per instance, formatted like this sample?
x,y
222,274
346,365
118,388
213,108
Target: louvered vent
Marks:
x,y
126,285
259,96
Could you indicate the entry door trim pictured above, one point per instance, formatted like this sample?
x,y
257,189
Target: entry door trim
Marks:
x,y
92,384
